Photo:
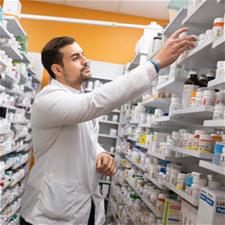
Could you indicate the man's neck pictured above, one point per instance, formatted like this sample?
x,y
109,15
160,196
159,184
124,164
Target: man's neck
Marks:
x,y
72,85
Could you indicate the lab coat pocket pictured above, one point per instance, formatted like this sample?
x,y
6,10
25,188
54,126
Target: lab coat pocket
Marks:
x,y
58,199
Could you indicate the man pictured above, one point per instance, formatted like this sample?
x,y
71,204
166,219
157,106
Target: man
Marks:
x,y
62,187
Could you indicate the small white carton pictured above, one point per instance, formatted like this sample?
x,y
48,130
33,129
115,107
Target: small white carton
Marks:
x,y
211,207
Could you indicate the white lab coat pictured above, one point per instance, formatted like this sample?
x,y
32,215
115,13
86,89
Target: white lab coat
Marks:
x,y
63,179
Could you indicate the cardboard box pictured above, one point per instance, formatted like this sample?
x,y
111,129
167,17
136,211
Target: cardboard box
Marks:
x,y
188,215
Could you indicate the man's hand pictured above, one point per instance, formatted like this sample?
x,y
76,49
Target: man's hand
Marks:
x,y
173,47
105,164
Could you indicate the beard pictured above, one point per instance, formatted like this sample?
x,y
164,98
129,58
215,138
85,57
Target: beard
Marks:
x,y
83,76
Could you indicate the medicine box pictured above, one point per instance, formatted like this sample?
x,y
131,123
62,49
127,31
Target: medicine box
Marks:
x,y
188,215
211,207
171,214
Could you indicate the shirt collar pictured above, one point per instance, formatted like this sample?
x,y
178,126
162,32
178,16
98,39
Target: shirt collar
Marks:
x,y
54,82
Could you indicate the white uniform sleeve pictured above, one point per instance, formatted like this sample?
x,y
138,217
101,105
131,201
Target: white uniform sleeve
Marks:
x,y
100,149
58,107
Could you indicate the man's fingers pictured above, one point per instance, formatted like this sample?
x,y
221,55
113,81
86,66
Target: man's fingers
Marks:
x,y
185,43
183,49
188,38
98,163
112,169
104,160
178,32
109,167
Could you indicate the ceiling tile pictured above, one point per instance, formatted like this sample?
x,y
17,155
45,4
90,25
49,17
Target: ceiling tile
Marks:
x,y
103,5
52,1
148,8
144,8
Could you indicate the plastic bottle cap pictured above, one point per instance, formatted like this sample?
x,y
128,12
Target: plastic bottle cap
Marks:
x,y
220,64
218,148
219,20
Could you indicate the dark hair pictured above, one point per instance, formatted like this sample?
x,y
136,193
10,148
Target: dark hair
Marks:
x,y
50,54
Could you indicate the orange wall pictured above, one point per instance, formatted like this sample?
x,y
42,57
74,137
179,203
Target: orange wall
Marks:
x,y
100,43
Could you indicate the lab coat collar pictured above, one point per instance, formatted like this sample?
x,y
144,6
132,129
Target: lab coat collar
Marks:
x,y
59,84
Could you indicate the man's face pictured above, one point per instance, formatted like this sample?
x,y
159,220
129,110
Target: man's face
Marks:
x,y
75,69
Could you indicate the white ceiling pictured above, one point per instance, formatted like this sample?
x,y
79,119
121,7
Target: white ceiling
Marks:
x,y
145,8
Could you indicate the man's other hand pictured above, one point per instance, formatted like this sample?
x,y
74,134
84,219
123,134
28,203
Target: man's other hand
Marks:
x,y
105,164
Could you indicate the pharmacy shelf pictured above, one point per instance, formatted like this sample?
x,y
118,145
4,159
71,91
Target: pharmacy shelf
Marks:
x,y
11,216
35,80
135,122
168,121
8,80
203,56
9,203
217,83
11,52
28,88
159,156
14,26
20,122
171,86
8,107
199,112
25,58
131,218
135,164
14,182
176,23
157,103
20,137
107,136
132,139
145,125
154,181
9,165
4,32
127,211
22,163
116,111
23,106
182,194
31,71
6,185
142,146
203,16
193,153
6,132
13,92
30,139
2,88
23,78
150,206
214,123
219,46
212,167
5,153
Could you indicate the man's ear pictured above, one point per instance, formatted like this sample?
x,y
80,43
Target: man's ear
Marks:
x,y
56,69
